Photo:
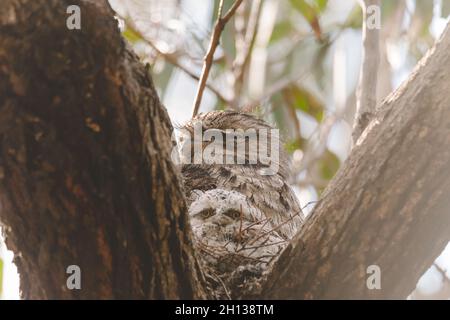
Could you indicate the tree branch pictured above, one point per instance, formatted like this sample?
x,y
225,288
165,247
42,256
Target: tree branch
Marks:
x,y
173,60
244,49
367,90
208,60
388,204
87,178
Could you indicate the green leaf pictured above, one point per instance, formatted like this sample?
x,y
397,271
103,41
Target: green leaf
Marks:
x,y
131,35
281,31
305,101
311,13
307,10
328,165
310,9
321,4
323,170
294,144
355,18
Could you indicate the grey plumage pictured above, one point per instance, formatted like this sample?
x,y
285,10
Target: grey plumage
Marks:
x,y
269,212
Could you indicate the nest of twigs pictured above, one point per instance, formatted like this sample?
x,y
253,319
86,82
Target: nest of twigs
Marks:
x,y
235,270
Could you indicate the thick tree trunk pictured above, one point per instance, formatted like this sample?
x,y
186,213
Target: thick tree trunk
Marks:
x,y
388,206
86,176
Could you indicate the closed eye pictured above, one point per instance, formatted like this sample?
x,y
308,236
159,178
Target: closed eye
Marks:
x,y
206,213
233,214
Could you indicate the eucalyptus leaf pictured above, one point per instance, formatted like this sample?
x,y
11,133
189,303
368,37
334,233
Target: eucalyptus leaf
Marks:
x,y
305,101
131,35
328,164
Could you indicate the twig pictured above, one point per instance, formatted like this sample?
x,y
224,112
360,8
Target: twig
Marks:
x,y
223,286
215,38
240,223
310,203
171,59
274,228
274,89
174,61
265,220
244,49
264,245
442,271
367,88
282,84
249,240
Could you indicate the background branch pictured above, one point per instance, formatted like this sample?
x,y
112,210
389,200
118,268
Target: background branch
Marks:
x,y
244,49
86,175
173,60
214,42
367,90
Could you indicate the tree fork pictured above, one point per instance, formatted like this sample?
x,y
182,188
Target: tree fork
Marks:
x,y
86,176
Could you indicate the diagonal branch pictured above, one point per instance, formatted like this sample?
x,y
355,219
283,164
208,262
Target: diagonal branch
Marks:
x,y
388,204
214,42
172,59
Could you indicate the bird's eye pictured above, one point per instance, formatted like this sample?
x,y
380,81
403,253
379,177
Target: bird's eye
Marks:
x,y
207,213
234,214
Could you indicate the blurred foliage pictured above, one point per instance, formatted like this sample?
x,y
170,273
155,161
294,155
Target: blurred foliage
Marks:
x,y
289,73
131,35
311,12
295,144
304,100
281,30
327,165
446,8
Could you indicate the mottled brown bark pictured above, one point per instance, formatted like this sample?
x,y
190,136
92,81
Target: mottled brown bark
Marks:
x,y
86,176
388,206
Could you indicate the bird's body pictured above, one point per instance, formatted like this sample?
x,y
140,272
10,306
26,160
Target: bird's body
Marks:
x,y
241,219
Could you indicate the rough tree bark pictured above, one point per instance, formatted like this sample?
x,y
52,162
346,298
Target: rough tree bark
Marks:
x,y
86,176
389,204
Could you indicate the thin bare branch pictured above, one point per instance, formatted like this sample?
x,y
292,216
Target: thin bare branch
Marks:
x,y
171,58
274,89
208,60
283,83
367,90
244,49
